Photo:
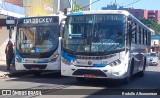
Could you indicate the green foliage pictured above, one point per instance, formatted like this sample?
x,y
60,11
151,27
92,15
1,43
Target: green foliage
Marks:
x,y
152,23
77,7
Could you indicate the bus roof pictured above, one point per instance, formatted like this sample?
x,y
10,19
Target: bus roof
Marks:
x,y
101,12
60,15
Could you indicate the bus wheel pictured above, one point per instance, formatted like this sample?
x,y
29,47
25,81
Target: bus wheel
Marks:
x,y
131,69
36,73
80,79
141,73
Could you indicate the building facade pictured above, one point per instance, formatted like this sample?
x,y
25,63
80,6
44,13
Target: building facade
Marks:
x,y
85,3
138,13
15,2
38,7
8,8
60,5
147,14
113,6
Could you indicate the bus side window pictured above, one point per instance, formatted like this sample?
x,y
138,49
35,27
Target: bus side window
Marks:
x,y
134,35
149,38
142,36
146,37
139,34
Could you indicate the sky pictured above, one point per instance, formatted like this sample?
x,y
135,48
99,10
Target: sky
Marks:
x,y
142,4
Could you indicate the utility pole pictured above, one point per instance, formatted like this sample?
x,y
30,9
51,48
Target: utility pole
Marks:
x,y
10,25
10,33
58,7
71,2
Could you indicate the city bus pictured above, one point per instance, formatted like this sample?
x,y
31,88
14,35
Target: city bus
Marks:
x,y
110,44
38,43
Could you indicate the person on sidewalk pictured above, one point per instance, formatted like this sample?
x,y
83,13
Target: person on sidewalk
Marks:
x,y
9,54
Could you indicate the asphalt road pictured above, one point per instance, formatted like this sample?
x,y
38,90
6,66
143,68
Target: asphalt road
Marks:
x,y
53,84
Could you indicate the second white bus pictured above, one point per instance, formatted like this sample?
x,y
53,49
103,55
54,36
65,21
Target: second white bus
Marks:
x,y
109,44
38,43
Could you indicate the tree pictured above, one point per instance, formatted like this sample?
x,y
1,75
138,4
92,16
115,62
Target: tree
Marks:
x,y
77,7
152,23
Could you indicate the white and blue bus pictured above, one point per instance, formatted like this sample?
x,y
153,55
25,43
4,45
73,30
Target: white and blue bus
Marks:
x,y
38,43
109,44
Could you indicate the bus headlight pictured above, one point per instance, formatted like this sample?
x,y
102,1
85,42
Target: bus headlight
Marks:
x,y
54,58
17,59
115,63
66,62
116,73
56,55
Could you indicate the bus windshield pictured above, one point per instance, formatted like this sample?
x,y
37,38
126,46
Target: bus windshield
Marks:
x,y
37,39
94,33
153,54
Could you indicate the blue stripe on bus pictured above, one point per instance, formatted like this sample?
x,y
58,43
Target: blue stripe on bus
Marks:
x,y
76,13
68,58
19,57
99,65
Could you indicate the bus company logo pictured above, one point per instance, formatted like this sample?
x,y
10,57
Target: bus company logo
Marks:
x,y
6,92
89,62
34,61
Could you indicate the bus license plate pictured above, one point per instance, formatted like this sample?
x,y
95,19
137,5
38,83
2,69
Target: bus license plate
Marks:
x,y
89,75
35,68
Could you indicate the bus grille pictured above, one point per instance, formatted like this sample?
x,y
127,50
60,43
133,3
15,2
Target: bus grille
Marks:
x,y
29,66
93,72
92,57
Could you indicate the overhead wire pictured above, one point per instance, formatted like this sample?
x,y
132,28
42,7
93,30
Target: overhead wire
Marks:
x,y
132,3
89,4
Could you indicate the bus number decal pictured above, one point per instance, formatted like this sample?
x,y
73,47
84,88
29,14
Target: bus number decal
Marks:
x,y
104,62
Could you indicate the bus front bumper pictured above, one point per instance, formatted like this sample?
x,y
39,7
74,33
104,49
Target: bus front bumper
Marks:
x,y
94,72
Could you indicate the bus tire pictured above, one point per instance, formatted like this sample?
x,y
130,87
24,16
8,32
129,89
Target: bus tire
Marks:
x,y
80,79
141,73
131,69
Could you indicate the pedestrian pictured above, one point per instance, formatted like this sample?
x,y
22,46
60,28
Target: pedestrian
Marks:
x,y
9,54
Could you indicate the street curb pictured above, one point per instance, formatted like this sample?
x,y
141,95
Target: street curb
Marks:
x,y
13,73
18,73
4,73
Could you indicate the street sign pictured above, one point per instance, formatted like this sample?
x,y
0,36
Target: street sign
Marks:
x,y
155,37
10,22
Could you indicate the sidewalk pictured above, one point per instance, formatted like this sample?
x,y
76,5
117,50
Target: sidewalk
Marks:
x,y
3,71
13,72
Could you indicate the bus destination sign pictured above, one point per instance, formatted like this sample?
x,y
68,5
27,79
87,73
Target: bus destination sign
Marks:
x,y
38,20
